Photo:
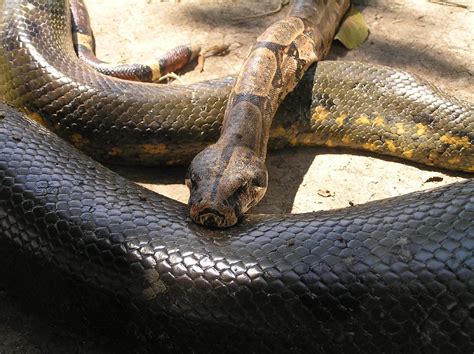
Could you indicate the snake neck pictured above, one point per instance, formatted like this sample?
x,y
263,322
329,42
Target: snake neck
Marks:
x,y
275,65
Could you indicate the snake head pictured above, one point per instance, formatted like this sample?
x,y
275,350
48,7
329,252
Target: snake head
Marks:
x,y
224,183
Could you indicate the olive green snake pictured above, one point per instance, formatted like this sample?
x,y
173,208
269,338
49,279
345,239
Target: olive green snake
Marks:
x,y
395,273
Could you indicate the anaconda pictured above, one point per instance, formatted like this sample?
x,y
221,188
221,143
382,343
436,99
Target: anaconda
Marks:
x,y
394,274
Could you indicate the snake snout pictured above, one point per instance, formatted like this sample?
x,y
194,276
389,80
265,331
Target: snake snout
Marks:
x,y
214,217
211,217
223,186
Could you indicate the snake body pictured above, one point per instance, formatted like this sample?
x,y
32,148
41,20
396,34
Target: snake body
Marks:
x,y
395,275
229,177
84,45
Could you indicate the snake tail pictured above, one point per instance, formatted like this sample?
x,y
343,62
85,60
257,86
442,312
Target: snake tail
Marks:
x,y
84,44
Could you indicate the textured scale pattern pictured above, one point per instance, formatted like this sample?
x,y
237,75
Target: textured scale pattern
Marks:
x,y
228,178
396,273
390,276
73,99
139,123
379,109
84,45
360,105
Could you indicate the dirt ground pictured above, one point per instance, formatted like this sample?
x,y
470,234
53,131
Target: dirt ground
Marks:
x,y
433,40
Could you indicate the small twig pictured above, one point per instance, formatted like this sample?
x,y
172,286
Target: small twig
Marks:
x,y
463,4
200,63
220,49
271,12
215,50
171,76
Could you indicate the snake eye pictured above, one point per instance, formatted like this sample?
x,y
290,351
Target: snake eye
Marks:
x,y
242,189
260,180
188,183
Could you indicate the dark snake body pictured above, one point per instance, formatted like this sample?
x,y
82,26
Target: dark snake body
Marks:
x,y
395,275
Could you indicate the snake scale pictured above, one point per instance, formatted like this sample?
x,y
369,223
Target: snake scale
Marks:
x,y
389,276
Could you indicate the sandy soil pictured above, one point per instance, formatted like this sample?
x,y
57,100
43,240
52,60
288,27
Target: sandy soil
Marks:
x,y
432,40
404,34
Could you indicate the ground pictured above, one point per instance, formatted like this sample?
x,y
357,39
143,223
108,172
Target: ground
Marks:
x,y
433,40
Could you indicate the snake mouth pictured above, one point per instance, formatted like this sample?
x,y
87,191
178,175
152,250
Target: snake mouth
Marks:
x,y
213,218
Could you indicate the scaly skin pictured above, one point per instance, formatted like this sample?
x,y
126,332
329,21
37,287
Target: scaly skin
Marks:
x,y
229,177
393,275
171,124
389,276
84,45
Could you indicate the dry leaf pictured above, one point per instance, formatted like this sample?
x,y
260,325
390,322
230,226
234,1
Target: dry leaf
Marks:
x,y
325,193
353,30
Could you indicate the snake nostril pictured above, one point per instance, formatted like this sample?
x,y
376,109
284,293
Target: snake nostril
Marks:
x,y
211,220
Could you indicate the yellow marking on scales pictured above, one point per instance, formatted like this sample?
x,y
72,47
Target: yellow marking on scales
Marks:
x,y
454,161
379,121
37,118
346,139
153,149
408,154
363,119
292,135
320,114
341,119
261,68
155,71
470,168
369,146
303,139
421,129
390,145
78,140
456,140
283,32
116,151
433,156
278,132
84,40
330,143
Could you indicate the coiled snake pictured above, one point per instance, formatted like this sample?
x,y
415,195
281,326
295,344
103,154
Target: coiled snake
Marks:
x,y
394,275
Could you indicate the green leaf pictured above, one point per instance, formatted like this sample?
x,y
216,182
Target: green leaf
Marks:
x,y
353,30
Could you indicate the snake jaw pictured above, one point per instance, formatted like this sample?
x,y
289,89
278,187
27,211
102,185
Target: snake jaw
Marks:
x,y
220,217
